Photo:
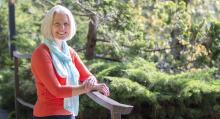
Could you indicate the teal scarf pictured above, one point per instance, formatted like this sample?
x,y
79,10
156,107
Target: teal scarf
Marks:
x,y
62,62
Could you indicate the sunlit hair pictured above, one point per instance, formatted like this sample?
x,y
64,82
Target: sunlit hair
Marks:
x,y
46,26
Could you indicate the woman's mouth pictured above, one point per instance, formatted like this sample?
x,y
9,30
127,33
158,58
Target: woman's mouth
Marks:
x,y
61,33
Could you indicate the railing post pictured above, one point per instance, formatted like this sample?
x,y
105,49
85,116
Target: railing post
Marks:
x,y
115,115
16,90
12,28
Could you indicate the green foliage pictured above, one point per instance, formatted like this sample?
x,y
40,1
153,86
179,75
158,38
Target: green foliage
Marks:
x,y
28,20
130,91
192,95
213,43
6,90
4,52
149,37
6,79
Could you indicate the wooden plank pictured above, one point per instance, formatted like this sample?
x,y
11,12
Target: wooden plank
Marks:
x,y
115,115
16,92
18,55
24,103
109,103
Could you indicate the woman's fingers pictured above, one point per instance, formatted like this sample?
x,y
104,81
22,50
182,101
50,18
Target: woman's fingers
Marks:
x,y
103,89
106,89
88,86
90,83
93,81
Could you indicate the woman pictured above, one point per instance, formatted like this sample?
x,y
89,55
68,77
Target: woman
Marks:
x,y
60,76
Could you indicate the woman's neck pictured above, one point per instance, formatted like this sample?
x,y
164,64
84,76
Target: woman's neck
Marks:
x,y
59,44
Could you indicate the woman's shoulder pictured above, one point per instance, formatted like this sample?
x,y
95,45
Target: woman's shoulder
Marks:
x,y
72,51
41,50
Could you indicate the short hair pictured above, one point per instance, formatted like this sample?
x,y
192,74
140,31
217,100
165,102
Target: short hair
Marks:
x,y
46,25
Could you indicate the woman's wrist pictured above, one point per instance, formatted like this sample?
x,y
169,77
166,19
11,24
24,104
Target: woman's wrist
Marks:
x,y
79,90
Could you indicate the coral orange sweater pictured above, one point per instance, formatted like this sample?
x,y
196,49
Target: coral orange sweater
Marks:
x,y
51,88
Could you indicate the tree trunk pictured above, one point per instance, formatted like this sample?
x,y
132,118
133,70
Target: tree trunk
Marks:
x,y
91,37
176,47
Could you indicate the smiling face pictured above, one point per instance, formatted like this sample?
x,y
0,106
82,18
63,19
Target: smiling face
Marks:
x,y
60,26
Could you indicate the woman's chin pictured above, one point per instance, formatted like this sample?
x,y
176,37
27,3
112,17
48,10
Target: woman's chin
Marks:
x,y
60,38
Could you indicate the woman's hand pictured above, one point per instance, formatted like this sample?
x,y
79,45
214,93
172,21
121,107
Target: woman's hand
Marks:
x,y
101,87
89,84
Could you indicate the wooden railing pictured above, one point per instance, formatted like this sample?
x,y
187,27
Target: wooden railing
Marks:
x,y
116,109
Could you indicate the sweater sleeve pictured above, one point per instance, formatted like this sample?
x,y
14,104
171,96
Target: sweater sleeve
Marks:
x,y
44,72
83,71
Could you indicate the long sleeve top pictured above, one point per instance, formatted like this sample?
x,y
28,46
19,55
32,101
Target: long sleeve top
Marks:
x,y
51,88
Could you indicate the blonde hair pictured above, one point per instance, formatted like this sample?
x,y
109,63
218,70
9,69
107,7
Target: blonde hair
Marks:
x,y
47,22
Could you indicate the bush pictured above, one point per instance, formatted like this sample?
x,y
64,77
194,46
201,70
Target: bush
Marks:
x,y
156,95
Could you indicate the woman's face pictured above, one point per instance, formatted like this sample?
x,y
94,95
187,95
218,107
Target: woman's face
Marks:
x,y
60,26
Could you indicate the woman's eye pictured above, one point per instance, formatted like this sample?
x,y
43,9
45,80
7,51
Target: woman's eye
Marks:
x,y
66,24
56,24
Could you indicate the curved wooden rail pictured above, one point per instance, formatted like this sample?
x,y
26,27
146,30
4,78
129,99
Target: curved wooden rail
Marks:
x,y
116,108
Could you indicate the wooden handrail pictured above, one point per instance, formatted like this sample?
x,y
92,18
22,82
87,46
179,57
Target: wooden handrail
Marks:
x,y
18,55
109,103
24,103
116,108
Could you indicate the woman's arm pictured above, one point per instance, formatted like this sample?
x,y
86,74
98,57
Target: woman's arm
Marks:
x,y
83,71
44,72
89,81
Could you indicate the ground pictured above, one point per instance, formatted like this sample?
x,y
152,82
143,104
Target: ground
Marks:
x,y
3,114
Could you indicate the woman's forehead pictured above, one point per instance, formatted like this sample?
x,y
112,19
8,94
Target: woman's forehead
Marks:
x,y
60,16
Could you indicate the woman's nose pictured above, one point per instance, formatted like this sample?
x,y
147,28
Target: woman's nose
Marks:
x,y
62,27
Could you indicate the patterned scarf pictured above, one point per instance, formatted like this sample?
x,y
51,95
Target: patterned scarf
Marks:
x,y
62,62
